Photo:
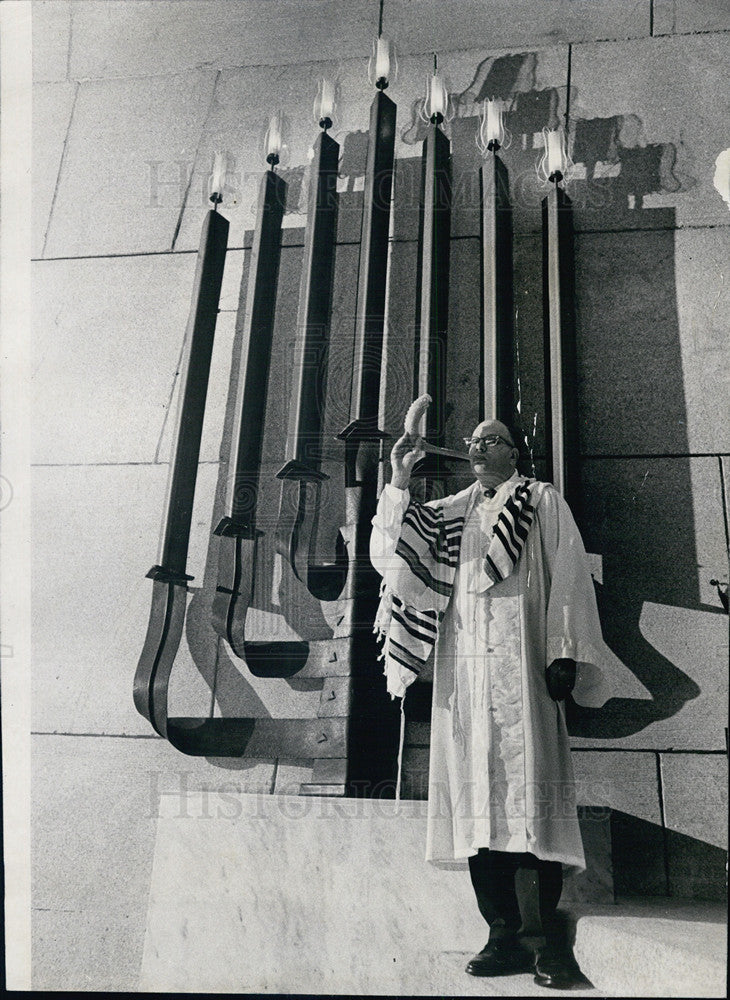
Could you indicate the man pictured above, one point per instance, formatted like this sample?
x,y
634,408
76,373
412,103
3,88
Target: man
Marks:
x,y
495,581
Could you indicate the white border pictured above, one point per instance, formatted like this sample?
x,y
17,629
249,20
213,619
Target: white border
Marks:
x,y
15,250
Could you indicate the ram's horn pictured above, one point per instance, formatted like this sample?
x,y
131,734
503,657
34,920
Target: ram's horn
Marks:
x,y
415,412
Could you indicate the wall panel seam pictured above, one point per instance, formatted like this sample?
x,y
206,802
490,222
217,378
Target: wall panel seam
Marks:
x,y
60,170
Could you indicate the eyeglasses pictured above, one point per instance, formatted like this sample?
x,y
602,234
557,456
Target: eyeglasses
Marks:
x,y
488,441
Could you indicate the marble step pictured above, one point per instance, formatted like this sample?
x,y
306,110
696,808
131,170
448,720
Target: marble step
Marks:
x,y
313,894
656,947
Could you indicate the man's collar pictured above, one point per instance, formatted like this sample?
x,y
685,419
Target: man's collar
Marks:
x,y
503,489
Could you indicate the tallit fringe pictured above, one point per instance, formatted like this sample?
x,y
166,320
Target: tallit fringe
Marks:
x,y
381,626
401,743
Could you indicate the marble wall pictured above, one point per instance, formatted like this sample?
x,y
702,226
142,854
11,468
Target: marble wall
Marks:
x,y
130,100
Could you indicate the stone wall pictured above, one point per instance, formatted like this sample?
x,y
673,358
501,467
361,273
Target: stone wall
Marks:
x,y
130,101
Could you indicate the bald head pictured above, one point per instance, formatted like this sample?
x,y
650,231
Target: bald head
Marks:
x,y
493,427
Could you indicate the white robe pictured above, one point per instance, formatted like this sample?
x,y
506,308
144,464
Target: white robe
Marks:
x,y
500,771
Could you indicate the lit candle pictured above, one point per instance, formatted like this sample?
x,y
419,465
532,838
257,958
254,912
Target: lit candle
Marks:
x,y
491,134
324,106
382,59
494,122
555,152
218,177
437,96
273,139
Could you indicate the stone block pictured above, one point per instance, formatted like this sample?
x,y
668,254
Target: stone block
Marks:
x,y
503,24
641,297
626,782
90,612
330,772
172,38
361,930
214,446
51,39
694,788
680,17
665,948
356,901
677,655
702,300
125,175
327,659
595,883
659,614
296,737
236,123
238,693
697,870
290,774
80,345
626,318
52,108
658,525
639,852
414,777
94,818
234,280
335,697
330,791
644,142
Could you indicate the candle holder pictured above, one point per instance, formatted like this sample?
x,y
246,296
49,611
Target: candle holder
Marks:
x,y
324,104
437,106
273,143
556,160
217,180
492,135
383,64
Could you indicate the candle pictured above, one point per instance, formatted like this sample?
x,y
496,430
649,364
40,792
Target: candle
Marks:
x,y
555,152
382,59
326,99
218,177
494,122
437,96
273,137
491,134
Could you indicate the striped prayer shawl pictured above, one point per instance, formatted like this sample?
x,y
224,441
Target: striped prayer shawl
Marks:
x,y
428,549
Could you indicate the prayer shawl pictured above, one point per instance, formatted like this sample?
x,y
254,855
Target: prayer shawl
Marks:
x,y
428,553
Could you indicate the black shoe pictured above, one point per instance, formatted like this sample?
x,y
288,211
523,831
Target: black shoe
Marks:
x,y
557,971
500,958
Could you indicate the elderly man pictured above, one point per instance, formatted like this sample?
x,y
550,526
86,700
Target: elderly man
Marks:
x,y
494,580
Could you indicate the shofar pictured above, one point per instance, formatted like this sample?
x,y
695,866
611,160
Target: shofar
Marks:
x,y
413,418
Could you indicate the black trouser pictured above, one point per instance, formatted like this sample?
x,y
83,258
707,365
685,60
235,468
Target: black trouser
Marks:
x,y
517,894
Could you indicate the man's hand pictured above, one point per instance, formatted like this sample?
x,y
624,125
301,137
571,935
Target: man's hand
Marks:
x,y
560,678
406,452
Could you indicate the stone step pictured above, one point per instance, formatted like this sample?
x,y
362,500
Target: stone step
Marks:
x,y
314,894
654,947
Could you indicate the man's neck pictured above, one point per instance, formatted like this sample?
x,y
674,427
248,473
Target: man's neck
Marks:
x,y
492,480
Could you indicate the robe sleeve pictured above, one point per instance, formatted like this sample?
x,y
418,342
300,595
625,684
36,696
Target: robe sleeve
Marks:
x,y
573,628
392,505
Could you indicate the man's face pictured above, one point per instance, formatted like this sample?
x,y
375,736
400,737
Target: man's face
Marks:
x,y
492,457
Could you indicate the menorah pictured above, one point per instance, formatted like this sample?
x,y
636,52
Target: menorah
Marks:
x,y
352,739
